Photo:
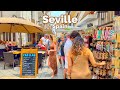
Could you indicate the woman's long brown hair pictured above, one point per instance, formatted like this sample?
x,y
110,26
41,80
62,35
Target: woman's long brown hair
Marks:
x,y
51,37
77,46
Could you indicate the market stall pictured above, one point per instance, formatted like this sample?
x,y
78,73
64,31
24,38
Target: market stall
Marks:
x,y
106,47
104,41
116,58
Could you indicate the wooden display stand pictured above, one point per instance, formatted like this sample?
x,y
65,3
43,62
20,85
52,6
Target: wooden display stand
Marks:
x,y
103,51
29,58
116,59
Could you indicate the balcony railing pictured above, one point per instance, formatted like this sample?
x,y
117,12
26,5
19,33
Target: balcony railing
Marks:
x,y
105,17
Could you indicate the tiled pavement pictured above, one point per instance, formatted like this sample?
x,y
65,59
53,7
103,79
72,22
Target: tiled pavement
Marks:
x,y
44,73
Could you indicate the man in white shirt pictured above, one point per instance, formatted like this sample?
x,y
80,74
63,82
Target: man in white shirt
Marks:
x,y
2,46
44,39
67,46
47,42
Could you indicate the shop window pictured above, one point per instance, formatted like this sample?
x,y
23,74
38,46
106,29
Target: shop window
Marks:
x,y
29,37
39,36
9,36
111,16
14,36
4,36
100,19
98,15
0,36
103,17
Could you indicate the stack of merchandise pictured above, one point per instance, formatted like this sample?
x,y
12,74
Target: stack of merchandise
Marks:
x,y
103,51
116,58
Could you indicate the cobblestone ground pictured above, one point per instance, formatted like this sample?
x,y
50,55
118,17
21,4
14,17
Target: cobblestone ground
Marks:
x,y
44,73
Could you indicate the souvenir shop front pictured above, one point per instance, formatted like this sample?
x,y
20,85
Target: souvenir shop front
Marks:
x,y
106,47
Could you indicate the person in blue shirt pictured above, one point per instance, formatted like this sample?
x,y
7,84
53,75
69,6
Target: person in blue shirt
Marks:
x,y
35,43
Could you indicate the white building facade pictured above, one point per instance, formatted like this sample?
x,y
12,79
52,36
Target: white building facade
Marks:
x,y
90,19
29,15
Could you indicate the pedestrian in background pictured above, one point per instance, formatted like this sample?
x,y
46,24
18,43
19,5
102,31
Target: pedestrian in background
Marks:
x,y
67,47
62,51
44,39
48,42
52,59
59,52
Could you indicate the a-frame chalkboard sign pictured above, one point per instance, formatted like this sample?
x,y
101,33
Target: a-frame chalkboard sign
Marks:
x,y
28,63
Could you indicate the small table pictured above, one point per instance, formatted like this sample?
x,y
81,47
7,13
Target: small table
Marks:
x,y
18,52
15,52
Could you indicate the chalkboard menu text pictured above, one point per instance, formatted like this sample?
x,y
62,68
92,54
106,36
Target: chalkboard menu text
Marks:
x,y
28,63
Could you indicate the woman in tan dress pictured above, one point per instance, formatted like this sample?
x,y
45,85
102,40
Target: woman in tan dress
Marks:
x,y
78,60
52,59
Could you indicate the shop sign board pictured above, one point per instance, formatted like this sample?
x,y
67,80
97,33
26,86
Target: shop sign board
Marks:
x,y
29,63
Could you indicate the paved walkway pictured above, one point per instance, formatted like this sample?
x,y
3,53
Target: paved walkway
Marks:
x,y
44,73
